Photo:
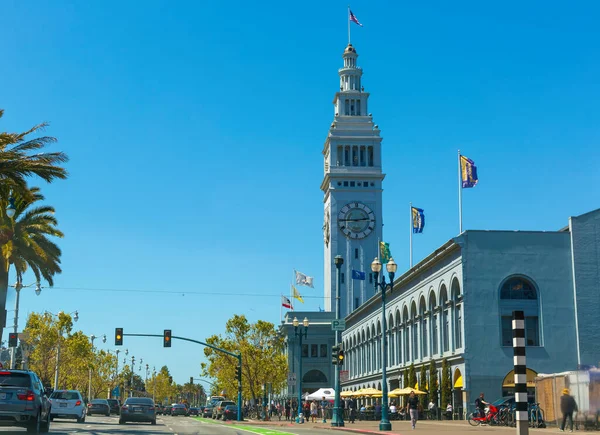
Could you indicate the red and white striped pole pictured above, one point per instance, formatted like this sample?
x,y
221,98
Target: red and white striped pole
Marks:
x,y
521,414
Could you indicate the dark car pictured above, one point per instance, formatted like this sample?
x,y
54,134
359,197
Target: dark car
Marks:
x,y
219,409
207,411
24,401
193,411
138,409
230,412
178,410
115,406
98,406
159,408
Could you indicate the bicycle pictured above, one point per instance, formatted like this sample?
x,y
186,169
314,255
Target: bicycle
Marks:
x,y
536,416
491,417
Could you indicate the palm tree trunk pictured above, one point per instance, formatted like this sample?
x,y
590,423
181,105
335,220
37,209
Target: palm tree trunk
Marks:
x,y
3,294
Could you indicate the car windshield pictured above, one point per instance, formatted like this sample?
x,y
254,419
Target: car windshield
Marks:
x,y
139,401
65,395
9,379
231,407
99,401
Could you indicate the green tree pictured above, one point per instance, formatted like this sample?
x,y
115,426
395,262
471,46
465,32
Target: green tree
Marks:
x,y
446,384
423,386
405,384
263,360
412,376
433,383
19,159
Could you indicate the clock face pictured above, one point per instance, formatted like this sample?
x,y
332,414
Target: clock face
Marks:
x,y
356,220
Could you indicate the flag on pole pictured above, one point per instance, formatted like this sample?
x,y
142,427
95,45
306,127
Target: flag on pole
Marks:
x,y
357,274
384,252
296,295
321,309
302,279
285,302
418,219
468,172
354,19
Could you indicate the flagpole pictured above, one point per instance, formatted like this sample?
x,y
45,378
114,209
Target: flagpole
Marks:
x,y
459,194
411,236
348,24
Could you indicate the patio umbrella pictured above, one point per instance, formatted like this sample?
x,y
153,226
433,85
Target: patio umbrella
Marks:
x,y
347,394
369,392
406,391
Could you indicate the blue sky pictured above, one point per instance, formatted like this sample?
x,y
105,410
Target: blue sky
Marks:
x,y
195,132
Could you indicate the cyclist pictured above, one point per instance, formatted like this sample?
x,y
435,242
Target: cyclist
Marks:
x,y
480,404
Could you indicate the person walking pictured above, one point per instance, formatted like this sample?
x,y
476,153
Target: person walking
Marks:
x,y
412,408
352,407
567,406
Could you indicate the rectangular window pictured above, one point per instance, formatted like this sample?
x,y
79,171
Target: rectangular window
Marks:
x,y
366,184
358,107
314,351
356,253
370,156
323,351
370,278
446,339
532,337
363,161
305,351
352,184
458,327
506,331
345,184
347,107
339,156
424,346
351,107
434,335
354,156
355,303
342,277
346,156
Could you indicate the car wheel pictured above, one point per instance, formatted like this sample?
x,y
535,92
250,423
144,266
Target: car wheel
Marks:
x,y
34,425
153,422
121,421
81,419
108,414
45,426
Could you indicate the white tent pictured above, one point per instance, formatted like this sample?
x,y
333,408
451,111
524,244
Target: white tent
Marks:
x,y
329,394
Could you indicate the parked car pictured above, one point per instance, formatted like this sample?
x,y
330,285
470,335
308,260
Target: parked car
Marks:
x,y
178,409
207,411
99,406
115,406
67,404
159,408
230,412
24,401
193,411
220,408
138,409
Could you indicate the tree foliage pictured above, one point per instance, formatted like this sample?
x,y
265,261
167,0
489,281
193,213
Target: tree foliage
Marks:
x,y
412,376
262,359
423,386
446,384
433,383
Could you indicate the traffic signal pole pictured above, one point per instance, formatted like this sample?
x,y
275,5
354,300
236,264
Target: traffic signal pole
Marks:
x,y
238,356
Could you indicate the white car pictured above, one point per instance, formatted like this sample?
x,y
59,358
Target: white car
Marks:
x,y
67,404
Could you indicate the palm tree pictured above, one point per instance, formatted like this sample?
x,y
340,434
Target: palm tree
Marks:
x,y
16,162
26,245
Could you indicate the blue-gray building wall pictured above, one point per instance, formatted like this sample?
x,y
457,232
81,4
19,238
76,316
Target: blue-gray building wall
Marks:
x,y
585,233
489,258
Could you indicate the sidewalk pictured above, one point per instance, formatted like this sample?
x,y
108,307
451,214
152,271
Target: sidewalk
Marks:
x,y
399,427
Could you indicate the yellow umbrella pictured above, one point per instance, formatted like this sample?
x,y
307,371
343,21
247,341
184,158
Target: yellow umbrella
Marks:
x,y
357,393
406,391
347,393
369,391
390,394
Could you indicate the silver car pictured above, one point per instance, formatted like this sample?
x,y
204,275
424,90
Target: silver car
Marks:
x,y
23,401
67,404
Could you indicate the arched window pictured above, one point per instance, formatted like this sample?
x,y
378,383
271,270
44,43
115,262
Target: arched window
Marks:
x,y
519,293
315,376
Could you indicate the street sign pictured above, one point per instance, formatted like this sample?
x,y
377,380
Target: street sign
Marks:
x,y
292,379
115,392
338,325
344,375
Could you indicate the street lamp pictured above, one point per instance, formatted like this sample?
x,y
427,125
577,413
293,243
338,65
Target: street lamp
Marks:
x,y
11,209
60,332
300,332
337,419
18,286
131,381
92,338
391,267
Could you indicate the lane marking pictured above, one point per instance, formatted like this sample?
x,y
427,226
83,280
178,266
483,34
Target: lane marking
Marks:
x,y
251,429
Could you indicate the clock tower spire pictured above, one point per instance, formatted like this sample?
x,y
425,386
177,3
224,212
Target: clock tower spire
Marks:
x,y
352,188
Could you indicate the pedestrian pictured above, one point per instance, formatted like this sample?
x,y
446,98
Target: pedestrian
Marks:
x,y
480,404
287,409
567,406
433,410
313,410
412,408
352,407
324,409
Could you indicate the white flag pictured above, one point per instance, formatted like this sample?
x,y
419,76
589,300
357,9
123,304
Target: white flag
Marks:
x,y
302,279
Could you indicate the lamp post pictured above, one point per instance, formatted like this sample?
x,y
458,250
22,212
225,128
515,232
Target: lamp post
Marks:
x,y
92,338
131,381
337,419
391,267
300,332
60,329
153,383
18,286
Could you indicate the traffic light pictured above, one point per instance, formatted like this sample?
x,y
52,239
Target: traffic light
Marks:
x,y
167,338
12,339
191,380
340,356
335,351
170,380
118,336
238,373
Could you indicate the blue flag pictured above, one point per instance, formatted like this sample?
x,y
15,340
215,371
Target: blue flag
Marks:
x,y
418,219
468,172
356,274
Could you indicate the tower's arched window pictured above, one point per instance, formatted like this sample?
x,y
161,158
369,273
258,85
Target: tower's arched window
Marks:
x,y
519,293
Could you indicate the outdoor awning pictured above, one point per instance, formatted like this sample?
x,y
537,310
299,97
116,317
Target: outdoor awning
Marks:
x,y
458,383
509,379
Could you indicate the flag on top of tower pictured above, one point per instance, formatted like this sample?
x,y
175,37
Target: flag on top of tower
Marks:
x,y
418,219
357,274
302,279
285,302
354,19
384,252
296,294
468,172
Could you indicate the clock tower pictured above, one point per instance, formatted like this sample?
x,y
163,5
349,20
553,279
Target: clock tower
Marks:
x,y
352,187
